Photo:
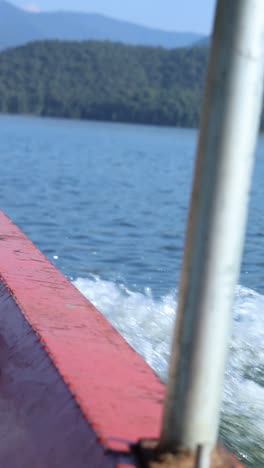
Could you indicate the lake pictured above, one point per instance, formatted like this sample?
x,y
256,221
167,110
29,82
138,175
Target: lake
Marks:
x,y
107,204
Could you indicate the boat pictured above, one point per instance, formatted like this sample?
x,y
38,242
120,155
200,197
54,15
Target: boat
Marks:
x,y
73,392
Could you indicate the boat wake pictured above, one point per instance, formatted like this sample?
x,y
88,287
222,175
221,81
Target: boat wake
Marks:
x,y
147,324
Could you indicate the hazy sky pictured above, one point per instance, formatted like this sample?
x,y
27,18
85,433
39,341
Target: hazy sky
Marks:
x,y
176,15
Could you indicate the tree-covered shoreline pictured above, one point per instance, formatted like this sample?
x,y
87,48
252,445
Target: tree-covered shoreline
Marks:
x,y
104,81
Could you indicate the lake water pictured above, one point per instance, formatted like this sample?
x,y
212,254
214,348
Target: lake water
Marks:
x,y
107,204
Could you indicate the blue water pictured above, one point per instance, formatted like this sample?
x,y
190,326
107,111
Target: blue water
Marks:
x,y
107,203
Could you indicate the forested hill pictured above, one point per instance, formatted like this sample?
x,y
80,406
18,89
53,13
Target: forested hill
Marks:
x,y
104,81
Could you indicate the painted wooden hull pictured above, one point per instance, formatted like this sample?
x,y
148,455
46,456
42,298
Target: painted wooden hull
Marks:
x,y
73,393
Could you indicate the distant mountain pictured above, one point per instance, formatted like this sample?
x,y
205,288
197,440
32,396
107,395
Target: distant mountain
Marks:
x,y
18,27
205,41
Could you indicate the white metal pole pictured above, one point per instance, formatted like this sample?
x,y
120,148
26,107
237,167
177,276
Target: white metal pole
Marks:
x,y
216,226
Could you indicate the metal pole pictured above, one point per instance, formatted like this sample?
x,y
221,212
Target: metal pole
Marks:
x,y
216,227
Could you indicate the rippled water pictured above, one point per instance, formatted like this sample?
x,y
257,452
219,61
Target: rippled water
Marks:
x,y
107,204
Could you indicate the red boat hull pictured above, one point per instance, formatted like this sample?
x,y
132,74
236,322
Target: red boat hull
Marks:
x,y
73,392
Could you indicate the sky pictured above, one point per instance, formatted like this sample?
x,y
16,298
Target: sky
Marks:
x,y
174,15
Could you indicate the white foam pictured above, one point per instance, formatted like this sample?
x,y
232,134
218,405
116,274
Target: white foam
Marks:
x,y
147,324
144,322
